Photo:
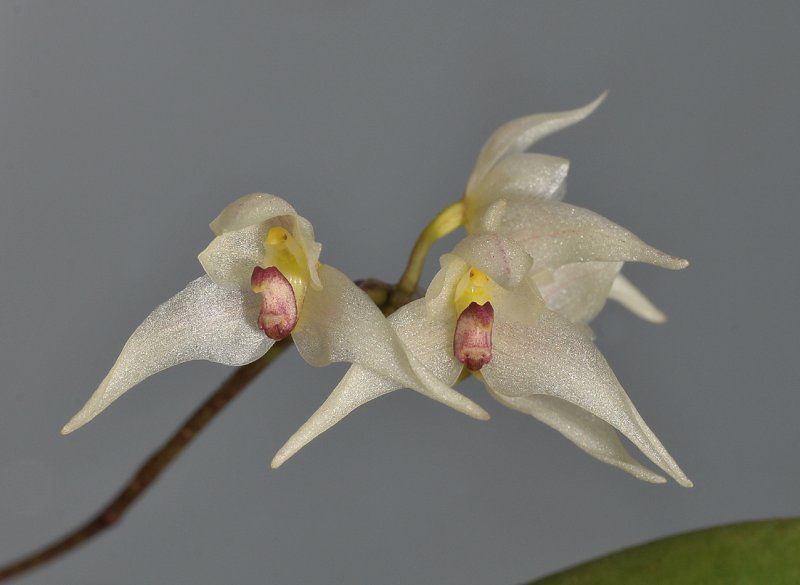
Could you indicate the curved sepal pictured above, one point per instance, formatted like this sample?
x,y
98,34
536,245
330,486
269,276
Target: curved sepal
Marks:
x,y
358,386
428,344
556,233
577,291
590,433
551,357
520,134
626,294
202,322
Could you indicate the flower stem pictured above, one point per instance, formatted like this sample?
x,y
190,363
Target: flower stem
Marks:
x,y
151,469
449,219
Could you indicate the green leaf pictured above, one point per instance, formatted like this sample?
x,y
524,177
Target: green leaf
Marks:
x,y
751,553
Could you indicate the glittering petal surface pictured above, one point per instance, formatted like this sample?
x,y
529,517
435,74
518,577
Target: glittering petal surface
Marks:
x,y
526,175
230,258
520,134
556,233
358,386
429,345
518,175
250,210
202,322
429,341
438,299
341,324
590,433
624,292
577,291
504,260
551,357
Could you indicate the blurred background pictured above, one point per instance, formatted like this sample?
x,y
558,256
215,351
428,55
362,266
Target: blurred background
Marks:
x,y
125,127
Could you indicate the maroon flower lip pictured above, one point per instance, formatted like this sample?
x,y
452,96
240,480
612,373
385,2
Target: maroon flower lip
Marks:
x,y
472,341
278,315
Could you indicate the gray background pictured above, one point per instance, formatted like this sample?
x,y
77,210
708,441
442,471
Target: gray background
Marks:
x,y
125,127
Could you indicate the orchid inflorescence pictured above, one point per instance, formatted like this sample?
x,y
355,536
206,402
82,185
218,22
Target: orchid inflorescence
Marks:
x,y
511,305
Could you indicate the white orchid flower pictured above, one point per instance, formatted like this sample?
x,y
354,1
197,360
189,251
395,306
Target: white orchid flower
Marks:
x,y
577,253
263,283
483,312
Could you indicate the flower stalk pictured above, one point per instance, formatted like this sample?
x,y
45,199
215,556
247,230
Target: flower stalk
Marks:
x,y
448,220
150,470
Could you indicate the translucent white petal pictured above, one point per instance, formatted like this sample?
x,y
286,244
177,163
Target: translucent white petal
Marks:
x,y
202,322
230,258
624,292
521,304
578,291
250,210
430,346
588,432
552,357
430,341
441,292
488,220
341,324
526,175
520,134
518,175
358,386
556,233
304,234
504,260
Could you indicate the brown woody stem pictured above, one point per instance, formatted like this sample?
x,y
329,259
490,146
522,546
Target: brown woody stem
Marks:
x,y
152,468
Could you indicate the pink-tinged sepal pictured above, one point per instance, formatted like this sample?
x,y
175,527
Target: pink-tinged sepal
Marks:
x,y
278,315
472,342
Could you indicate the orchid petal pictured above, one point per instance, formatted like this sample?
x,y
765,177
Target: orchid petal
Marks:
x,y
503,259
202,322
520,134
590,433
429,343
625,293
230,258
527,175
439,298
522,304
556,233
551,357
341,324
249,210
358,386
578,291
521,175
